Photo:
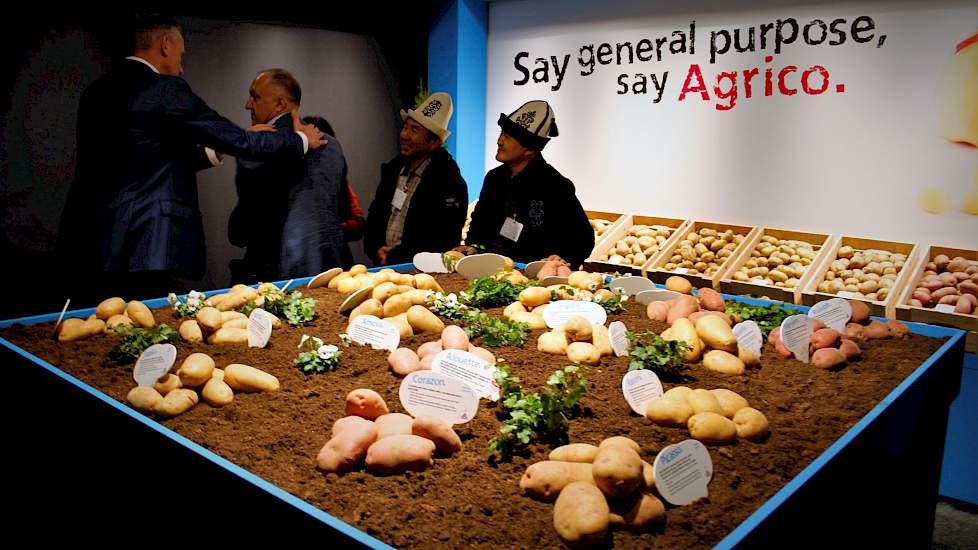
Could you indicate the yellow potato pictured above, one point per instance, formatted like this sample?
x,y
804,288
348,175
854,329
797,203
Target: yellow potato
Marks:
x,y
704,401
177,402
666,411
545,480
218,374
238,297
602,340
553,342
578,329
249,379
617,470
424,281
229,336
749,358
217,393
679,284
190,331
723,362
515,307
195,370
423,320
384,291
637,512
167,383
209,318
683,329
77,329
712,428
140,314
349,285
144,399
236,323
751,423
371,306
110,307
583,352
581,515
358,269
730,401
401,322
621,441
396,305
117,319
716,333
575,452
534,296
229,315
677,392
533,321
335,281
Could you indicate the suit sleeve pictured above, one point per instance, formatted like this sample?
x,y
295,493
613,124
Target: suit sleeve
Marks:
x,y
200,124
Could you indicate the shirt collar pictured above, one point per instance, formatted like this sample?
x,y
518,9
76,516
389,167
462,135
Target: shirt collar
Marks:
x,y
144,62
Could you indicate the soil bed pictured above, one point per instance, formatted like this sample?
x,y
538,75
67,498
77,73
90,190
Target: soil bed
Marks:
x,y
464,501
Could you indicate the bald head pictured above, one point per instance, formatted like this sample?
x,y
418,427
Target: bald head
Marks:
x,y
273,92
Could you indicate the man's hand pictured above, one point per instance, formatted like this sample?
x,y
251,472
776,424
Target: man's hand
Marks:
x,y
382,254
262,128
314,135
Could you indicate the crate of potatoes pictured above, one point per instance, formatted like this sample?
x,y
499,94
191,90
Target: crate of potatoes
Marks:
x,y
602,223
775,264
943,290
632,242
700,254
869,270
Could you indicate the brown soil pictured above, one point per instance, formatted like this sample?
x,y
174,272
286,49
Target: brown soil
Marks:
x,y
464,501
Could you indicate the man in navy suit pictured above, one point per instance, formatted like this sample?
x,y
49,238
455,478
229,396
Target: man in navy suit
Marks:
x,y
132,226
288,211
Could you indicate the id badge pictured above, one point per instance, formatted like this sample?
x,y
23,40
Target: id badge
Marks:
x,y
399,197
511,229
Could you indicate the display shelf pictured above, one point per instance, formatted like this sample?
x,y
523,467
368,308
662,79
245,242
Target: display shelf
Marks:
x,y
613,217
620,231
655,268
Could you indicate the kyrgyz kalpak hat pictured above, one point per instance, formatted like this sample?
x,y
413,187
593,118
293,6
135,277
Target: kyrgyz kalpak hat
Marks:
x,y
433,113
532,124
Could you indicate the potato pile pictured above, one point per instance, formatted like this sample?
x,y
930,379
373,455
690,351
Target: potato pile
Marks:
x,y
714,417
109,312
219,327
777,262
581,341
533,300
554,266
596,488
175,394
389,443
600,226
640,243
404,361
867,275
948,281
400,304
703,252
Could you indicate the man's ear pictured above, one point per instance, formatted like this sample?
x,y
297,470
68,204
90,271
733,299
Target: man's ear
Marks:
x,y
165,44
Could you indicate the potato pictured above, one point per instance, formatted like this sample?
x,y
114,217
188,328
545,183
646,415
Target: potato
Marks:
x,y
118,319
167,383
583,352
424,281
711,300
545,480
190,331
855,331
439,432
712,428
217,393
876,330
365,403
658,311
249,379
827,358
897,329
824,338
578,329
511,309
602,340
684,330
195,370
748,356
177,402
679,284
347,446
393,424
454,337
400,453
730,401
144,399
617,470
681,308
532,320
581,515
238,297
109,307
620,441
384,291
404,361
751,424
678,392
429,348
482,353
140,314
704,401
396,305
423,320
637,512
358,269
666,411
723,362
401,323
229,336
236,323
77,329
716,333
209,318
553,342
696,316
371,306
575,452
534,296
849,348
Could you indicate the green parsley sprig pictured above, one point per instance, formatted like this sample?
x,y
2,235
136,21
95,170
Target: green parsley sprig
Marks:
x,y
295,309
767,318
494,331
650,351
488,292
136,339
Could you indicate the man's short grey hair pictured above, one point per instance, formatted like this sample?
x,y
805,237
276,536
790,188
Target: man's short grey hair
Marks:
x,y
287,83
148,28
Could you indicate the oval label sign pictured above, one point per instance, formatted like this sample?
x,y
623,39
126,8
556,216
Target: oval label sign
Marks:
x,y
749,336
834,313
618,334
631,285
683,472
557,313
428,393
478,373
429,262
259,328
796,334
154,363
367,329
640,387
658,295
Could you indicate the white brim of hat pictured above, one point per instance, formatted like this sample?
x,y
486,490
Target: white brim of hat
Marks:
x,y
443,133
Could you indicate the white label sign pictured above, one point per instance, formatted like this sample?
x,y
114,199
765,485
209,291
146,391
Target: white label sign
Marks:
x,y
834,313
477,373
683,472
479,265
429,262
619,341
557,313
944,308
796,334
847,294
154,363
533,268
428,393
259,328
749,336
631,285
511,229
681,270
367,329
640,387
648,296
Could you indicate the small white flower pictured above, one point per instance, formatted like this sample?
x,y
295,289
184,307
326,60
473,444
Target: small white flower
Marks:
x,y
345,338
193,302
624,297
319,341
171,298
327,351
303,340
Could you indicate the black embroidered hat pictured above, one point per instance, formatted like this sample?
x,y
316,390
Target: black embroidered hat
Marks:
x,y
532,125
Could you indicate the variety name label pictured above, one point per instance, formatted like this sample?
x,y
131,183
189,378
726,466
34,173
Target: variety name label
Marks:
x,y
367,329
640,387
428,393
479,265
648,296
557,313
631,285
749,336
154,363
259,328
683,472
834,313
430,262
474,371
617,333
796,334
944,308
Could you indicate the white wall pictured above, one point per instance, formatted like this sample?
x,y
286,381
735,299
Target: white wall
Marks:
x,y
853,162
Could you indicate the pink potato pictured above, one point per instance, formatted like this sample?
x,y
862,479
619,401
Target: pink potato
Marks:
x,y
366,403
427,361
922,295
849,348
824,338
931,283
438,431
682,308
400,453
393,424
817,325
775,339
860,312
403,361
964,305
658,311
916,303
711,300
968,287
826,358
935,297
348,422
897,329
482,353
855,331
429,348
877,330
453,337
347,447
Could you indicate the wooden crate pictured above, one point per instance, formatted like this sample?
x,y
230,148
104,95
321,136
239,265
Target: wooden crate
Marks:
x,y
907,312
613,217
655,268
620,230
887,308
820,242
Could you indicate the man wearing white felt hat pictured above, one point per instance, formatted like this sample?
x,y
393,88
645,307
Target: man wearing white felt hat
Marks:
x,y
527,210
421,200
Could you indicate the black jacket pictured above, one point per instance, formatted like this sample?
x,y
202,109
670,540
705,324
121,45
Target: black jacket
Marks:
x,y
544,202
435,215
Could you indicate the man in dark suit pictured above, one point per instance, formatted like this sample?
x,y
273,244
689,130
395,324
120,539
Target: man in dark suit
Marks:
x,y
132,224
288,211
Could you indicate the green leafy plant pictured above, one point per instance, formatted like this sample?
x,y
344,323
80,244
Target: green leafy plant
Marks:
x,y
318,357
248,307
135,340
650,351
193,302
448,307
612,305
562,289
295,309
494,331
535,416
767,318
488,292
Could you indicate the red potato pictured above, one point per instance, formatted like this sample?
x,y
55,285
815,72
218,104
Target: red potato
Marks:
x,y
347,446
826,358
427,361
860,312
897,329
968,287
941,261
682,308
964,306
922,295
392,424
817,325
948,300
948,279
824,338
931,266
775,339
849,349
438,431
400,453
545,480
696,316
429,348
658,311
916,303
366,403
454,337
711,300
959,263
855,331
403,361
348,422
563,271
962,276
935,297
877,330
931,284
